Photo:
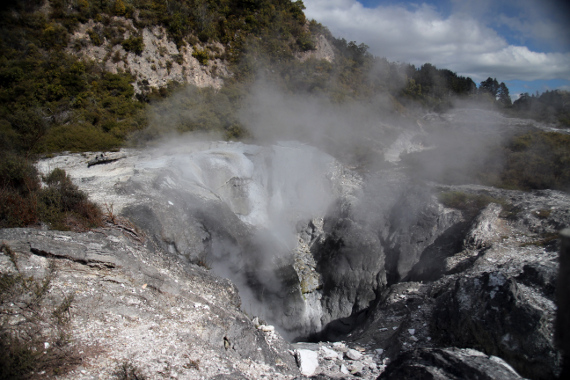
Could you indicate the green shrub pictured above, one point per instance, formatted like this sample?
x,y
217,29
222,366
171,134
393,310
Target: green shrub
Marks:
x,y
471,204
201,55
95,37
133,44
305,42
30,317
119,8
78,138
19,185
537,160
60,204
63,206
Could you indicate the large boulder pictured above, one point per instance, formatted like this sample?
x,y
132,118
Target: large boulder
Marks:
x,y
351,263
495,314
448,364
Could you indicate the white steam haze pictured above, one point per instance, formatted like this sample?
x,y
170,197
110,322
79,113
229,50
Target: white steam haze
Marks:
x,y
510,40
351,131
292,171
270,189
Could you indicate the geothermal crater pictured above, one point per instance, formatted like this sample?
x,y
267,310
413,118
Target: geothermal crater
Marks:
x,y
324,252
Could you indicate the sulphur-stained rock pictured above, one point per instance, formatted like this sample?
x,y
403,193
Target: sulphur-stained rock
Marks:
x,y
448,364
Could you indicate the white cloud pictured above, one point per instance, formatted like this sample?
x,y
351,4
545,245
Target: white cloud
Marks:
x,y
420,34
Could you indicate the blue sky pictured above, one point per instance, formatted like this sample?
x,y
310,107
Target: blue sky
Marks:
x,y
524,43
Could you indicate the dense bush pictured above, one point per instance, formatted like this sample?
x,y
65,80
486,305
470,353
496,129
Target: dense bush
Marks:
x,y
59,204
63,206
19,186
470,204
201,55
537,160
48,95
133,44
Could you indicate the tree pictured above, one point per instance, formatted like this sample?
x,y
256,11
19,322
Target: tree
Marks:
x,y
119,9
503,95
489,86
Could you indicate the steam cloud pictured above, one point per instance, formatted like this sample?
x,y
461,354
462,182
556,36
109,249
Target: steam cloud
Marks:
x,y
287,177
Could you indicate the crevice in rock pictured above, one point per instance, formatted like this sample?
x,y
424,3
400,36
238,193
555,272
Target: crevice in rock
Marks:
x,y
91,263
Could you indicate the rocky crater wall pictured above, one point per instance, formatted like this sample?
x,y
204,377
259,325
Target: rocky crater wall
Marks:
x,y
308,242
327,253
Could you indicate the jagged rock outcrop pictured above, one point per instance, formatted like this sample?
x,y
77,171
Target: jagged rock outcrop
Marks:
x,y
494,294
495,314
417,224
322,50
448,364
351,263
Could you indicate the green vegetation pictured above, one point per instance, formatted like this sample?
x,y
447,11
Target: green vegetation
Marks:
x,y
133,44
52,101
33,325
202,56
537,160
495,92
59,204
470,204
550,106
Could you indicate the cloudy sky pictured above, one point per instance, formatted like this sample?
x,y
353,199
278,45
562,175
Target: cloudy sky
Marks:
x,y
524,43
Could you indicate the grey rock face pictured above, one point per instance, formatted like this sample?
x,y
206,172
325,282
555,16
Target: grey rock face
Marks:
x,y
448,364
231,207
351,263
237,209
494,313
132,302
374,237
491,288
418,223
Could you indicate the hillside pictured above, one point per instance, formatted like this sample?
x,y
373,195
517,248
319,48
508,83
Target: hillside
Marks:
x,y
78,75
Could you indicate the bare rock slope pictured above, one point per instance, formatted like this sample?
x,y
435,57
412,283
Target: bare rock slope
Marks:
x,y
133,304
